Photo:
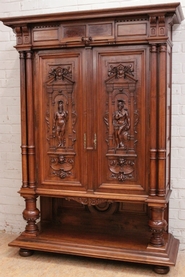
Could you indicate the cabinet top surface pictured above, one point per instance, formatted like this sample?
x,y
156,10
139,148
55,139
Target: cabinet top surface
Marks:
x,y
173,9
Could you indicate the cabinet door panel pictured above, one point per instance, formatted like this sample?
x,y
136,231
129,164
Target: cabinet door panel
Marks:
x,y
121,118
59,119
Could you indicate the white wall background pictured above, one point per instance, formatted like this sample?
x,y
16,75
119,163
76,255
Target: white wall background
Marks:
x,y
11,204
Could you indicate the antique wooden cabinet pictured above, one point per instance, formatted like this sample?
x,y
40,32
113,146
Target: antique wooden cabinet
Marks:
x,y
96,116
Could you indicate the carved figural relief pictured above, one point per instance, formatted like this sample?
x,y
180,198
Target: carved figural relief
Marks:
x,y
121,123
60,120
121,169
61,166
61,116
121,119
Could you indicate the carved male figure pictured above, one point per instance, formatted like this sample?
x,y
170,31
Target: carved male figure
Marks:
x,y
61,117
121,123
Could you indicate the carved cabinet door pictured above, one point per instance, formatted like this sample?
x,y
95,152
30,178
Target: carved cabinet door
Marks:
x,y
121,116
59,106
92,119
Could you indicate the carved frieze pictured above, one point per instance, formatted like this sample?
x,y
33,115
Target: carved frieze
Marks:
x,y
89,201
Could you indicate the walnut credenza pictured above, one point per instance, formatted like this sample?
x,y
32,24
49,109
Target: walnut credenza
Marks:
x,y
96,117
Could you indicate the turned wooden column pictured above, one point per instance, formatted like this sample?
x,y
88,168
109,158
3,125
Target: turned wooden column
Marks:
x,y
31,214
158,225
162,98
30,121
153,120
23,120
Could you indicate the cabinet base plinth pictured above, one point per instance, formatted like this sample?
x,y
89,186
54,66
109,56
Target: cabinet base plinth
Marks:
x,y
129,249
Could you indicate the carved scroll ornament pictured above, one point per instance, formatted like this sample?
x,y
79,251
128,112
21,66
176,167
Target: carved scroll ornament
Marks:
x,y
122,169
61,166
89,201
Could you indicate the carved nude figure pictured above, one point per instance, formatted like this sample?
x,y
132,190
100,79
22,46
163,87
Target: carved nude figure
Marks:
x,y
60,118
121,123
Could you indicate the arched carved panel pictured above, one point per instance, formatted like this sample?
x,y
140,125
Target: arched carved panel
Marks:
x,y
121,119
60,115
60,119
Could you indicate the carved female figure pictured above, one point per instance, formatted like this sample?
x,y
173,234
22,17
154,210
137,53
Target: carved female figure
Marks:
x,y
60,120
121,123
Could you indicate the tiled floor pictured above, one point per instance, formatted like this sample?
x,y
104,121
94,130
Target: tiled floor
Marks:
x,y
57,265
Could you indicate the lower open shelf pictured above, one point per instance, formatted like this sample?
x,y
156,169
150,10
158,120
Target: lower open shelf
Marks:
x,y
115,237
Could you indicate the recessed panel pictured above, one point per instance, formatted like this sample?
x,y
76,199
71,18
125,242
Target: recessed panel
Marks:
x,y
131,29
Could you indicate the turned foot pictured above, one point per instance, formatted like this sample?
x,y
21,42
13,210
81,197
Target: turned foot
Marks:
x,y
25,252
161,269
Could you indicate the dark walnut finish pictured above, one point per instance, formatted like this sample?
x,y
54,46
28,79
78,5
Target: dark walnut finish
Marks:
x,y
96,117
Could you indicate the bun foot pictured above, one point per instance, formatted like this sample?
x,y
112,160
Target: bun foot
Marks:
x,y
161,269
25,252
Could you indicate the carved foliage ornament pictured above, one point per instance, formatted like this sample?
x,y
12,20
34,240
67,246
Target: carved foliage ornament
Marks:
x,y
120,71
60,73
